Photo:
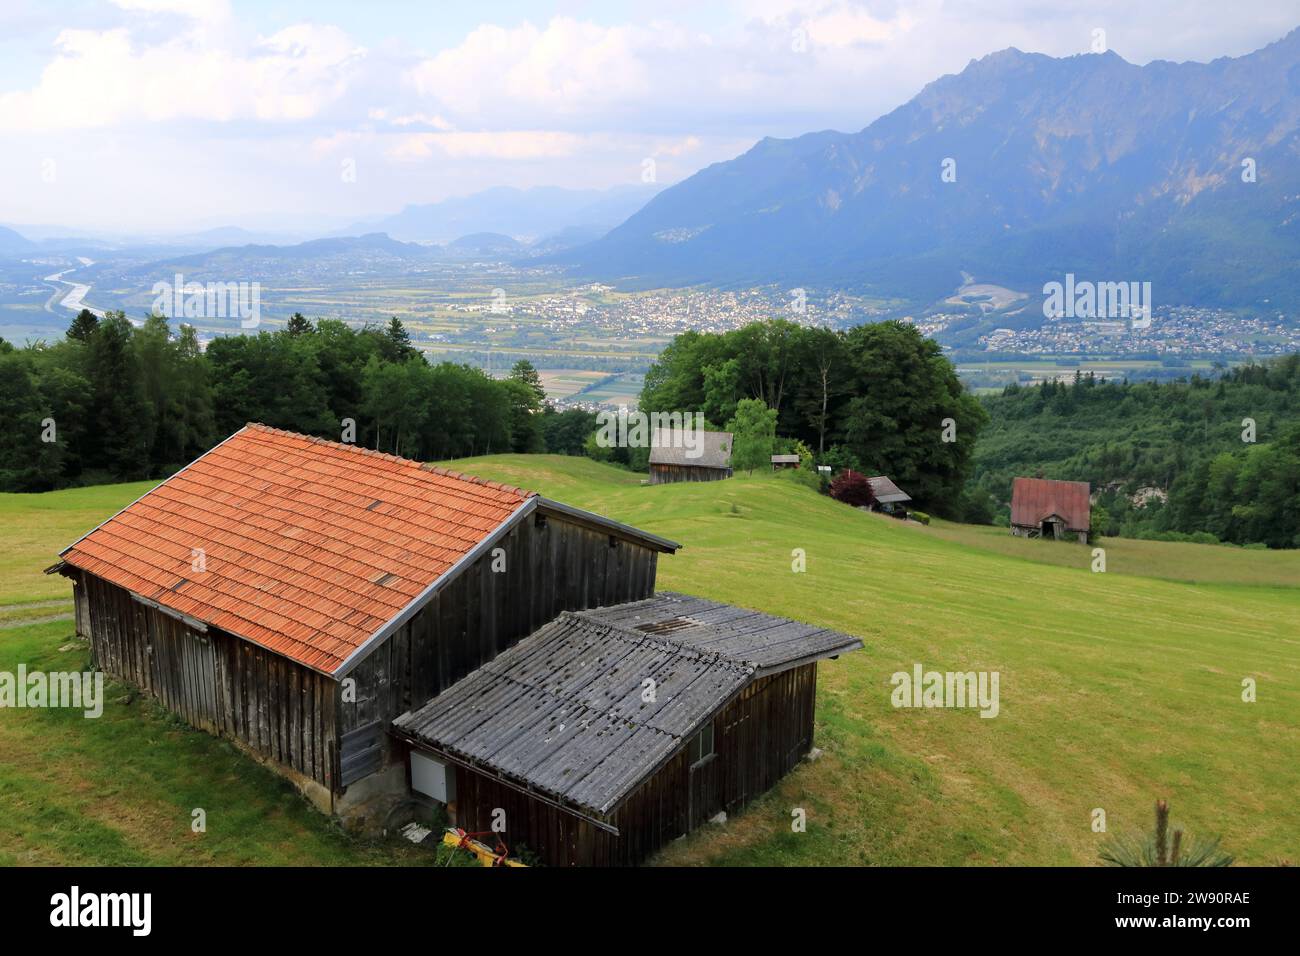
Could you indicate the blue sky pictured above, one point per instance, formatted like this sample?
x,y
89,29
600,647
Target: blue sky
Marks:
x,y
173,115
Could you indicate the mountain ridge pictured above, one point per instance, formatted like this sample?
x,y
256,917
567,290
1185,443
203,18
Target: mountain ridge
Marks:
x,y
1088,163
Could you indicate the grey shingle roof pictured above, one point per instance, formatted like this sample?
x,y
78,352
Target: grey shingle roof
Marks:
x,y
762,641
562,711
886,491
667,447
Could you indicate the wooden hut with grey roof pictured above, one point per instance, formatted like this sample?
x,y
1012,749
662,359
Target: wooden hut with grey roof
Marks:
x,y
610,732
683,454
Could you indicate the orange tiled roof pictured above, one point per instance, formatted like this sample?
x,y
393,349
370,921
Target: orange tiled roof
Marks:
x,y
311,546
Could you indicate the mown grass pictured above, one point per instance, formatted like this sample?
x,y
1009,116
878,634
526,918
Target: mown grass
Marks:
x,y
1116,688
38,527
121,789
1174,561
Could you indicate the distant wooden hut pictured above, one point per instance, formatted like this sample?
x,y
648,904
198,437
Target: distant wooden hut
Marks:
x,y
784,461
890,498
1045,508
676,455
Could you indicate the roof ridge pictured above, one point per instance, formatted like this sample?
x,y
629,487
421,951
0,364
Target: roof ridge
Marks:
x,y
748,667
498,485
641,638
376,453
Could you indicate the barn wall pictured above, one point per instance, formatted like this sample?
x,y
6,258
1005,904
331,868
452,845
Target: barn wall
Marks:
x,y
548,569
215,681
652,817
668,474
759,737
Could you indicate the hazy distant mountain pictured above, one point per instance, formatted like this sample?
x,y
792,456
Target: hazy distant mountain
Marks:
x,y
514,212
567,238
13,244
1087,164
491,244
231,236
374,253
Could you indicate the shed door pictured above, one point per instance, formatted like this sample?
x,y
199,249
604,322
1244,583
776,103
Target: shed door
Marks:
x,y
432,777
184,672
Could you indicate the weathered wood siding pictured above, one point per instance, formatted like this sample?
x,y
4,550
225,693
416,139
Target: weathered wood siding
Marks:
x,y
550,566
759,736
300,718
667,474
215,681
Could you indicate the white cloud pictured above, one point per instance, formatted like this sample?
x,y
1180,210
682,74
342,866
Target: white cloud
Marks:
x,y
847,26
566,67
103,78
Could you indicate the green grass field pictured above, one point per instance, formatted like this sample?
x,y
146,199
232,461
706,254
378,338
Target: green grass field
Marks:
x,y
1116,689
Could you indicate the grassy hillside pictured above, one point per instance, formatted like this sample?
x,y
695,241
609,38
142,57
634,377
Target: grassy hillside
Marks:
x,y
1116,688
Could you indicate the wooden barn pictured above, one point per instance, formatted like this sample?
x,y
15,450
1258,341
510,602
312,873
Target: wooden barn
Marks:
x,y
295,594
890,498
610,732
1044,508
354,620
672,457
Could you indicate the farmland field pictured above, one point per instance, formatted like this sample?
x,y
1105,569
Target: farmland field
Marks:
x,y
1116,688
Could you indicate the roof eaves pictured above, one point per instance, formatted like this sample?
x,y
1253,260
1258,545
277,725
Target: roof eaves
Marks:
x,y
153,489
614,527
854,645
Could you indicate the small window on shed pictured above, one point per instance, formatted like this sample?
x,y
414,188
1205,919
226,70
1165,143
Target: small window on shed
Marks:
x,y
701,746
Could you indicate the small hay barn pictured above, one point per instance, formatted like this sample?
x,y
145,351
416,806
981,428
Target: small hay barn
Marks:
x,y
609,733
890,498
1044,508
671,460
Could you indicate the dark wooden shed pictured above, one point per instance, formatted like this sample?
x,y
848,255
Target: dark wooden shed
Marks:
x,y
1044,508
610,732
295,595
676,455
889,498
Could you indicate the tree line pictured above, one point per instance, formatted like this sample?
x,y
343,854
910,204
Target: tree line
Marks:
x,y
113,401
877,398
1221,453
